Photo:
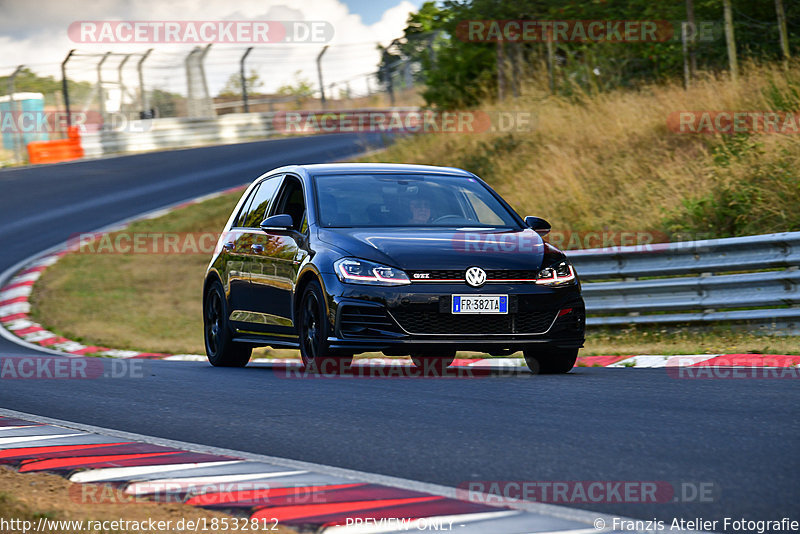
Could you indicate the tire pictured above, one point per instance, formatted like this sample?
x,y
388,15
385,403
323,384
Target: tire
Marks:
x,y
221,350
550,361
433,361
313,330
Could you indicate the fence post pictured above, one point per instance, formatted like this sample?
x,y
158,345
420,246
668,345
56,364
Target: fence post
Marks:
x,y
100,86
319,75
244,79
65,87
13,108
145,113
730,40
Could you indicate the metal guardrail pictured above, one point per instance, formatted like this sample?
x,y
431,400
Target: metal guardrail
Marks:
x,y
167,133
754,279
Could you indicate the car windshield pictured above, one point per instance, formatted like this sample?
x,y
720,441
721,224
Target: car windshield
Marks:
x,y
381,200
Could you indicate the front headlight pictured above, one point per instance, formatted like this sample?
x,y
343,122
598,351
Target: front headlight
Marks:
x,y
557,274
355,271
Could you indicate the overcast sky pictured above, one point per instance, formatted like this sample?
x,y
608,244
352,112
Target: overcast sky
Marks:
x,y
34,33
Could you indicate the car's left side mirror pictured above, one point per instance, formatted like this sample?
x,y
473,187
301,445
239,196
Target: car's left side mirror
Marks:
x,y
539,225
282,221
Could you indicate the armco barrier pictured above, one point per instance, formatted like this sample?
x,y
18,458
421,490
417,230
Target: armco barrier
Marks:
x,y
57,150
159,134
754,279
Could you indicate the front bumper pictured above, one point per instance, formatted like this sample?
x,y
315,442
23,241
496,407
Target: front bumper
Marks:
x,y
367,317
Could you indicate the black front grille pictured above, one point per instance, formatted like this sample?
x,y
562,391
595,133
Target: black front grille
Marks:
x,y
366,321
432,322
458,274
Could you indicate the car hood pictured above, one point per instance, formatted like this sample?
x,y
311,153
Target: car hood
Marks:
x,y
440,248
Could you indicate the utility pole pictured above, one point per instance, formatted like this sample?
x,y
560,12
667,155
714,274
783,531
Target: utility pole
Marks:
x,y
730,40
244,79
784,36
319,75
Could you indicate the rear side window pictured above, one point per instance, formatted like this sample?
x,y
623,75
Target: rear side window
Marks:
x,y
262,198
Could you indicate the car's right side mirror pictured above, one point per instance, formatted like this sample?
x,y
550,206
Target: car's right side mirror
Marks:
x,y
539,225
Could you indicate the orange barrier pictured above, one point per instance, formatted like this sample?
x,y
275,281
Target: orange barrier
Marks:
x,y
58,150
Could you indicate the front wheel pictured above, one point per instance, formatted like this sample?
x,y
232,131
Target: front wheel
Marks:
x,y
221,350
314,329
548,361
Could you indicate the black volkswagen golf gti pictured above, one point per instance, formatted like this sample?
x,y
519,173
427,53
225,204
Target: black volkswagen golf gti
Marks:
x,y
405,259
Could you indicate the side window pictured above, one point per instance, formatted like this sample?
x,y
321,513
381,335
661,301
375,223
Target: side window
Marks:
x,y
291,202
239,222
257,211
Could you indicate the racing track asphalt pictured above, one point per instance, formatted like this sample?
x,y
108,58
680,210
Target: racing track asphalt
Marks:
x,y
741,436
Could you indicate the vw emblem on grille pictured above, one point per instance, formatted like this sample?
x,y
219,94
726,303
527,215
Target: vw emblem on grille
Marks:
x,y
475,276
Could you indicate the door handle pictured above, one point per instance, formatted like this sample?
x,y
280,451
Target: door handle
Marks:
x,y
228,246
258,249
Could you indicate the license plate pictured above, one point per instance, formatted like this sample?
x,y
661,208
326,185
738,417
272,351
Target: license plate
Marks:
x,y
479,304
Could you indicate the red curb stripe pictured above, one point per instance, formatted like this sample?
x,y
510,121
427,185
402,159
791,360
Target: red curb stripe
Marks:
x,y
13,317
18,284
256,496
30,270
33,452
599,361
31,329
86,461
358,493
52,341
289,513
13,301
86,350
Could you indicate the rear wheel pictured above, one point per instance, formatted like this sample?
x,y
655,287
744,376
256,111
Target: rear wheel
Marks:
x,y
314,329
433,361
221,350
550,361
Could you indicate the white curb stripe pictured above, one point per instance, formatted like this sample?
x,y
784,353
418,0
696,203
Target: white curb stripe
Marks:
x,y
650,361
423,523
27,277
15,292
21,439
104,473
15,308
162,485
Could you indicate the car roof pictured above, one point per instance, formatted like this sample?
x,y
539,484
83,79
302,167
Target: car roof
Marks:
x,y
339,168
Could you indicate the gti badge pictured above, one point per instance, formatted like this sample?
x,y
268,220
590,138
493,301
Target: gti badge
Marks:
x,y
475,276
